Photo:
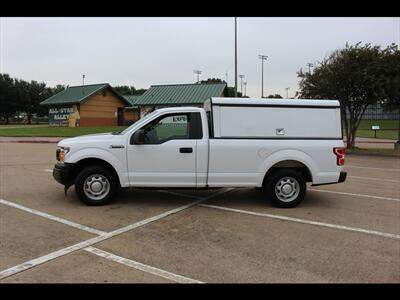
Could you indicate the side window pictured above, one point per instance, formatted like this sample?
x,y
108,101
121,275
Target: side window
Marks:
x,y
170,127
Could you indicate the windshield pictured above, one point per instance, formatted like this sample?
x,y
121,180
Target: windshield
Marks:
x,y
144,119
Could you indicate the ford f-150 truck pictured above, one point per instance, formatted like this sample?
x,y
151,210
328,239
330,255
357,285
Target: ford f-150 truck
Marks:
x,y
275,145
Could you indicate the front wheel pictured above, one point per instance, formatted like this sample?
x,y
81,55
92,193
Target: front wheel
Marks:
x,y
286,188
95,185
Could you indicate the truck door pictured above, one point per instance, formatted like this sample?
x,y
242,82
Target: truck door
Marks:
x,y
168,156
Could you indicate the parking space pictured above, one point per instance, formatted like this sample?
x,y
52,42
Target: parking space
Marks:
x,y
348,232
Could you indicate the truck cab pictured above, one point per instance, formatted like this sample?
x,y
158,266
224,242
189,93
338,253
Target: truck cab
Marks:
x,y
228,143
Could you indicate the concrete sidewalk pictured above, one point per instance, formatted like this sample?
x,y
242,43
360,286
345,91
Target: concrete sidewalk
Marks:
x,y
372,143
4,139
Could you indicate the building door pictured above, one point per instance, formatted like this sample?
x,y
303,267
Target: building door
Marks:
x,y
120,116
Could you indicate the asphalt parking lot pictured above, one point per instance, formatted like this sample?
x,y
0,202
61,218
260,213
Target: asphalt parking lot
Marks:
x,y
348,232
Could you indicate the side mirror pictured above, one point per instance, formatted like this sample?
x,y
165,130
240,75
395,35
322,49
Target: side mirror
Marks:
x,y
138,137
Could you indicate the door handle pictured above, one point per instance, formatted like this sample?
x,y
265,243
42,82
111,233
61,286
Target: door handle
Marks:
x,y
185,150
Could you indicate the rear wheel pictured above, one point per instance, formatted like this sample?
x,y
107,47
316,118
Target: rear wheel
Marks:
x,y
286,188
95,185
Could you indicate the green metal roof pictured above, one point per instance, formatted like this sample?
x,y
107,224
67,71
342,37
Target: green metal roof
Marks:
x,y
77,94
180,94
132,99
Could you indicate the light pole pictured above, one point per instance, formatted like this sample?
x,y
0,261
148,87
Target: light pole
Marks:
x,y
245,84
262,57
198,72
241,84
287,92
235,57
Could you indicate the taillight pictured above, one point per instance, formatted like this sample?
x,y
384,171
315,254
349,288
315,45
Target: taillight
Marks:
x,y
340,153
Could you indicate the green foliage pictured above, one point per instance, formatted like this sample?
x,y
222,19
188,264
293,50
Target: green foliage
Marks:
x,y
17,95
277,96
128,90
357,76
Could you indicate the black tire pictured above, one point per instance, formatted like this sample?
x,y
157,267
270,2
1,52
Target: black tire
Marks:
x,y
107,177
276,178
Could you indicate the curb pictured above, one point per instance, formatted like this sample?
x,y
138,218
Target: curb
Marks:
x,y
373,154
30,142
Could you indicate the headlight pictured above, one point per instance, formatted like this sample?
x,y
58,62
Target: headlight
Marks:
x,y
61,152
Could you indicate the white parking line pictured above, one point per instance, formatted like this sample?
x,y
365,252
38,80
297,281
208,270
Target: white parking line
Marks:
x,y
375,179
141,267
53,218
309,222
42,259
358,195
372,168
48,170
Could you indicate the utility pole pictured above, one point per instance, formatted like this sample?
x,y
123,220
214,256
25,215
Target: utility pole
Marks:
x,y
83,79
309,67
262,57
287,92
245,84
198,72
241,84
235,57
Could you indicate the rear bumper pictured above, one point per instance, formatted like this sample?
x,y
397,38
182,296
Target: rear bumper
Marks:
x,y
62,173
342,176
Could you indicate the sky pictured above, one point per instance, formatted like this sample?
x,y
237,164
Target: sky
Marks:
x,y
148,51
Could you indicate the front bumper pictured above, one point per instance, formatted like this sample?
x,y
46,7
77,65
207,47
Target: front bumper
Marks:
x,y
62,173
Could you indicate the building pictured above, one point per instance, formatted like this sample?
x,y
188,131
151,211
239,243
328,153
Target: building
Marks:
x,y
101,105
158,96
89,105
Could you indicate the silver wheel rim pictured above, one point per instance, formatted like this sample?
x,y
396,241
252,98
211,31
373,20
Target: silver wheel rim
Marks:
x,y
96,187
287,189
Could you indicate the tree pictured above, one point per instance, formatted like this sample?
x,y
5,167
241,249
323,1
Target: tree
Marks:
x,y
357,76
8,103
277,96
128,90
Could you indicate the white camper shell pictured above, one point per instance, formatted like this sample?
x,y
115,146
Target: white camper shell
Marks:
x,y
274,118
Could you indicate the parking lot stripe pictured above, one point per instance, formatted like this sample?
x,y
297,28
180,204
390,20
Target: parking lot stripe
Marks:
x,y
309,222
48,170
141,267
372,168
376,179
53,255
53,218
358,195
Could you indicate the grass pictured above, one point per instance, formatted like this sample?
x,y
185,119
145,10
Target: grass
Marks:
x,y
390,152
388,129
45,131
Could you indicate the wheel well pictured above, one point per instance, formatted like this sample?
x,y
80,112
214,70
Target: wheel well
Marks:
x,y
80,165
290,164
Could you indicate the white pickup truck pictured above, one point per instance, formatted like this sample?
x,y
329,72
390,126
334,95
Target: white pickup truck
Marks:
x,y
274,144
